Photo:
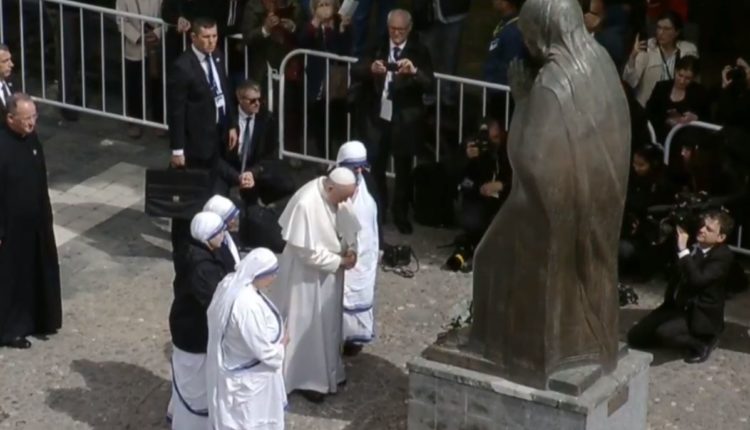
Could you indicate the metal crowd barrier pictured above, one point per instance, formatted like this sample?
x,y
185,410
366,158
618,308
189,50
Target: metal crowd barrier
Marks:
x,y
71,35
327,157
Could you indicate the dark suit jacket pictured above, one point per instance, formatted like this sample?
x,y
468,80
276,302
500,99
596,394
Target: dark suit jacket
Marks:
x,y
700,290
263,145
192,109
408,120
695,101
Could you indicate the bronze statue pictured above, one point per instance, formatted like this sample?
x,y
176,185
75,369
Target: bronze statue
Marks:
x,y
545,287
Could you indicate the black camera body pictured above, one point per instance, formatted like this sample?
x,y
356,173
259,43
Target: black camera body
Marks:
x,y
685,213
391,67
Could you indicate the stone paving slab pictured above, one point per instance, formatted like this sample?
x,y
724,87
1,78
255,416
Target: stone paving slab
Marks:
x,y
108,367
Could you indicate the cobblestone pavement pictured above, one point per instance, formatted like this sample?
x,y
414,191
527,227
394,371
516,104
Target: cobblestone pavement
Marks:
x,y
108,368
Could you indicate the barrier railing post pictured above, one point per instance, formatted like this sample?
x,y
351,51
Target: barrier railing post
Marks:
x,y
103,57
23,46
43,60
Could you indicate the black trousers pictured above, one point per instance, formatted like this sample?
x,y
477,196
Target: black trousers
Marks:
x,y
665,326
404,183
475,216
134,94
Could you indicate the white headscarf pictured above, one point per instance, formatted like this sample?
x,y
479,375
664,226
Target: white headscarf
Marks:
x,y
352,154
205,226
224,207
258,263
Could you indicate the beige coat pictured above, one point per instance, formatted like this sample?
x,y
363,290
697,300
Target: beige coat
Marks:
x,y
131,27
643,73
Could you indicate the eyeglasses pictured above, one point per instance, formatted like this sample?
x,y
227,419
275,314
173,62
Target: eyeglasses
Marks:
x,y
253,100
398,29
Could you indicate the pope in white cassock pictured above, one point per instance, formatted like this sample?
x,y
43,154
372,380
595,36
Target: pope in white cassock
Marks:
x,y
320,231
246,341
359,282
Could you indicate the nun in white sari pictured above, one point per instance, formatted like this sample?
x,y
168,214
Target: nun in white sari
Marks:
x,y
246,342
230,214
359,282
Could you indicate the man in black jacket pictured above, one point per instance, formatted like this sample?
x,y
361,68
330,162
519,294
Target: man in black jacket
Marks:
x,y
202,119
692,315
400,72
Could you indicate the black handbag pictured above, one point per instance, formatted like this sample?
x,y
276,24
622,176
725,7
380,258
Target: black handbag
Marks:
x,y
177,193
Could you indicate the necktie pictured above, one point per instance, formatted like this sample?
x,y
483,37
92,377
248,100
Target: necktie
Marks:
x,y
6,91
211,81
396,53
214,85
246,136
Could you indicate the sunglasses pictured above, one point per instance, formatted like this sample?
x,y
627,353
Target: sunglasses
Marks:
x,y
251,101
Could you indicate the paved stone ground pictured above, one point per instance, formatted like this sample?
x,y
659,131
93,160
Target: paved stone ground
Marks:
x,y
108,367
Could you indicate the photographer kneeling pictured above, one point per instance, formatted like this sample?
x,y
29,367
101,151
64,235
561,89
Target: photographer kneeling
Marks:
x,y
692,315
485,184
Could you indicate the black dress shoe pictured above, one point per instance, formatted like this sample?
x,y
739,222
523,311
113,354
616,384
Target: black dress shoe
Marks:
x,y
404,227
19,343
695,357
351,349
312,396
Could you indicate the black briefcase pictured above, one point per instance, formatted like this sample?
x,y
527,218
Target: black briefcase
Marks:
x,y
176,193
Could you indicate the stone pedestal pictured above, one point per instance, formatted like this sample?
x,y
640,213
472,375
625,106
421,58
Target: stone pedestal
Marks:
x,y
442,396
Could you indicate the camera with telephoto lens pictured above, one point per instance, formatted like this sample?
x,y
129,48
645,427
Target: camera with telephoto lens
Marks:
x,y
685,213
482,138
460,258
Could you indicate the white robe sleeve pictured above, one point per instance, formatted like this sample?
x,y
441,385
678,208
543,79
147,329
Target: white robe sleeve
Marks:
x,y
252,328
321,259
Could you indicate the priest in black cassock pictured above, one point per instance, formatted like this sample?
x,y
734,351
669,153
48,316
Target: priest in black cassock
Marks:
x,y
30,302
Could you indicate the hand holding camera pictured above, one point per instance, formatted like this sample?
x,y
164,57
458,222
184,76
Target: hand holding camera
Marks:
x,y
378,68
682,238
405,67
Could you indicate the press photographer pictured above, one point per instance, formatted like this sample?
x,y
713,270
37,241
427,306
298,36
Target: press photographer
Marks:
x,y
691,317
485,184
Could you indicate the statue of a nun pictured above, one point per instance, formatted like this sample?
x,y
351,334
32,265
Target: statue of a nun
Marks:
x,y
545,287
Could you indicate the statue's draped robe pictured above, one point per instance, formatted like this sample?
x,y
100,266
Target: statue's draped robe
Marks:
x,y
545,287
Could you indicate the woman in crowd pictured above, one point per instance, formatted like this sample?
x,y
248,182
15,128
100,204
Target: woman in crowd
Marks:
x,y
229,213
329,32
246,344
206,262
654,60
678,101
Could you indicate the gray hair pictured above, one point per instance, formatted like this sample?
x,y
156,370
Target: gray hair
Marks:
x,y
403,12
248,84
12,103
